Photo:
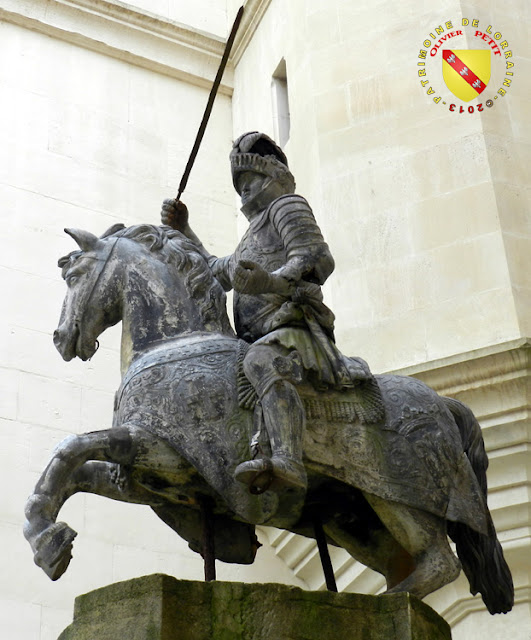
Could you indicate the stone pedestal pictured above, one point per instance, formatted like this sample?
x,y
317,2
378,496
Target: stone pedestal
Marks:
x,y
159,607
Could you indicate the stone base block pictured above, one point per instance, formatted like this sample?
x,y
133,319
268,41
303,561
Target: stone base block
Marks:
x,y
158,607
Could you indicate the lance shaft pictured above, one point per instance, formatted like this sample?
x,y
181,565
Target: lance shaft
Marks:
x,y
210,104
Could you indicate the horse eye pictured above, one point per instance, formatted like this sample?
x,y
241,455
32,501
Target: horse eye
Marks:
x,y
71,280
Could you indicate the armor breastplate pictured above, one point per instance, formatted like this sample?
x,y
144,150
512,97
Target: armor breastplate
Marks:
x,y
261,244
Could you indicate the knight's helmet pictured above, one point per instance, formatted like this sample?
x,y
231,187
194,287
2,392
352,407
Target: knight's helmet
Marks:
x,y
256,152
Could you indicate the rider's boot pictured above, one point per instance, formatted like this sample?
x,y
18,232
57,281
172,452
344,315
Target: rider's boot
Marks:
x,y
283,416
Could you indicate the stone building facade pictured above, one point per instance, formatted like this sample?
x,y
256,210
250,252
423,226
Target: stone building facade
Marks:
x,y
426,211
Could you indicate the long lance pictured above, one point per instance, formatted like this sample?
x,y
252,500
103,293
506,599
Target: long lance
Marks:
x,y
210,104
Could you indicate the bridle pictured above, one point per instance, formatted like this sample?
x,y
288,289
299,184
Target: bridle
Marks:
x,y
103,260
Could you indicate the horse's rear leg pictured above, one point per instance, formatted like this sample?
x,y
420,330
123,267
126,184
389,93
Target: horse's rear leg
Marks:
x,y
424,537
381,552
51,541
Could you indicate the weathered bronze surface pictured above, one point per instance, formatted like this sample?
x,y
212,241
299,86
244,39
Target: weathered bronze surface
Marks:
x,y
387,466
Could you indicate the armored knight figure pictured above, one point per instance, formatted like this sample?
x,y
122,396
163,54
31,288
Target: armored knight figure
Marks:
x,y
276,272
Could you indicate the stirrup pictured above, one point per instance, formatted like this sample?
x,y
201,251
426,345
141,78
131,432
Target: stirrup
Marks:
x,y
277,473
257,474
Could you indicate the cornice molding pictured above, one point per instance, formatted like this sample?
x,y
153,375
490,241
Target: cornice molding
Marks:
x,y
254,11
123,32
145,20
138,37
479,368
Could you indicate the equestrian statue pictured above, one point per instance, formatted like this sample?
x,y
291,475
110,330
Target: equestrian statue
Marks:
x,y
268,425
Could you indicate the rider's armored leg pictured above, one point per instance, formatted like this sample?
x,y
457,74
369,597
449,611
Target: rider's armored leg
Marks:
x,y
283,417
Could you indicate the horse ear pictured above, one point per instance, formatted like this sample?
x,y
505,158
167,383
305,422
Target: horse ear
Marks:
x,y
86,240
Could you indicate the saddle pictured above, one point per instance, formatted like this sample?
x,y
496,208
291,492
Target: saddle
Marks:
x,y
361,400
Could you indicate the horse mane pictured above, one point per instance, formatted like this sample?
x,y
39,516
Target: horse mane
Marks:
x,y
175,249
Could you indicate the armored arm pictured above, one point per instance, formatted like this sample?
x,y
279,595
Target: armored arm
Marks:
x,y
309,257
309,261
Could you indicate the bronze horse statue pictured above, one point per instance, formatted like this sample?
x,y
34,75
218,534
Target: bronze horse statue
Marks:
x,y
389,487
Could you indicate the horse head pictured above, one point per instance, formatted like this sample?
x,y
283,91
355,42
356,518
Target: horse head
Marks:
x,y
84,316
152,278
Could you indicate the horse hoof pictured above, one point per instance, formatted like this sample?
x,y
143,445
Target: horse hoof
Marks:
x,y
54,549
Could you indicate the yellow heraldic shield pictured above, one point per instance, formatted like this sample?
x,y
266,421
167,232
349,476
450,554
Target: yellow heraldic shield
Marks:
x,y
466,72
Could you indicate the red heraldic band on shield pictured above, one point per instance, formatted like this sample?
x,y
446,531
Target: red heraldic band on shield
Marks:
x,y
467,74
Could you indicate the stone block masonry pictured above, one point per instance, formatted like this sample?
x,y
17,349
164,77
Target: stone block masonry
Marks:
x,y
158,607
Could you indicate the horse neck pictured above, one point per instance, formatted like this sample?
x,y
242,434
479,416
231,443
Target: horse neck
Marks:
x,y
156,307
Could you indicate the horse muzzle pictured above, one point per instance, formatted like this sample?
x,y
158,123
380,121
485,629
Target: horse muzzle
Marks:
x,y
65,341
70,343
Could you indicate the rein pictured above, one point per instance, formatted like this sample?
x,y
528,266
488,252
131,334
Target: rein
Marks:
x,y
109,249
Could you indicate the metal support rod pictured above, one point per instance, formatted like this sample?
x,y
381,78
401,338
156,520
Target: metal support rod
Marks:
x,y
208,542
324,554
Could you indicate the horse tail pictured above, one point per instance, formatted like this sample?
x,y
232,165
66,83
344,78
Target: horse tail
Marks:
x,y
481,555
472,440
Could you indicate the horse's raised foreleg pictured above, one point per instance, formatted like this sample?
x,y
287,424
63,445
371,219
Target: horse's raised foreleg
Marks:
x,y
424,537
65,475
108,479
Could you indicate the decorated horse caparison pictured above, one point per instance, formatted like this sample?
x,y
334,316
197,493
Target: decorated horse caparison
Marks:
x,y
388,489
